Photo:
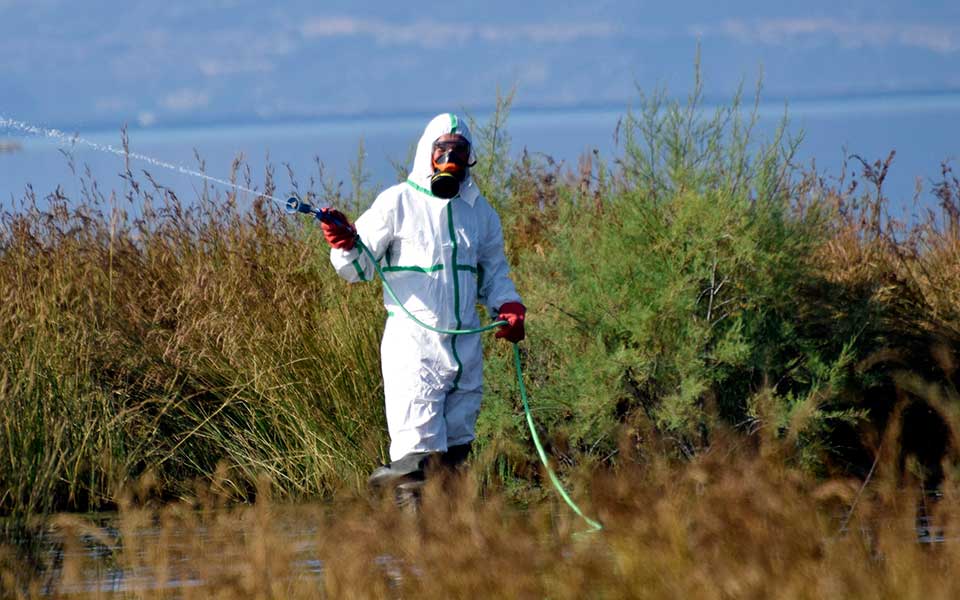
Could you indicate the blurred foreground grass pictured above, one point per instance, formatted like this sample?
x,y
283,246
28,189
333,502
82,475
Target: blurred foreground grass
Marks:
x,y
734,522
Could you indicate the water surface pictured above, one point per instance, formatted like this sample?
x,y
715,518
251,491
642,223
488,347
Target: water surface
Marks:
x,y
924,129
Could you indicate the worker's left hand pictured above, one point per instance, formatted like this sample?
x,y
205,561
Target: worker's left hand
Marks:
x,y
513,313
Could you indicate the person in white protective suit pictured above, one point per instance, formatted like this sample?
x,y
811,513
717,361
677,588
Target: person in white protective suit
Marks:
x,y
440,246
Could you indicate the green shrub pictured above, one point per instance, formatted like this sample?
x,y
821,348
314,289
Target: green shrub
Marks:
x,y
675,291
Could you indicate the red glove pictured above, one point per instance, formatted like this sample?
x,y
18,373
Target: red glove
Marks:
x,y
513,313
339,235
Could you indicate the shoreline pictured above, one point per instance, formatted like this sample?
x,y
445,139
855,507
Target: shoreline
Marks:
x,y
10,146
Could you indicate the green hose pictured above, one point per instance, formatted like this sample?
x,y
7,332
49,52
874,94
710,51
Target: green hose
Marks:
x,y
536,442
595,525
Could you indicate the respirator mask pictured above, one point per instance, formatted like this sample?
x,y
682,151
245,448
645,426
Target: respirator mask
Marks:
x,y
451,160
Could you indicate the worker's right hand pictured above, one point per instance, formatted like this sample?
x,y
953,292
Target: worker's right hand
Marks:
x,y
339,234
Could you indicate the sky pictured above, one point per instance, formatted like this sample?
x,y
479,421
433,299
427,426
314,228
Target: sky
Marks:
x,y
83,64
158,66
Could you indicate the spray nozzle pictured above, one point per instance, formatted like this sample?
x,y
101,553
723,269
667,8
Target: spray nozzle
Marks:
x,y
295,205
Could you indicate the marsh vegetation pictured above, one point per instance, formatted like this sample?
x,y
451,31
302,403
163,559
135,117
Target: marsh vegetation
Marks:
x,y
751,369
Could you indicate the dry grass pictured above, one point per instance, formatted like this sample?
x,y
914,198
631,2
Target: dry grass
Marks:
x,y
733,523
151,333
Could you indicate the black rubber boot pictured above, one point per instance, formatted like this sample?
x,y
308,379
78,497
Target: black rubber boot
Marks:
x,y
455,456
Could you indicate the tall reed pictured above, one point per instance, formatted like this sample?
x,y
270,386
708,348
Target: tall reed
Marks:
x,y
147,333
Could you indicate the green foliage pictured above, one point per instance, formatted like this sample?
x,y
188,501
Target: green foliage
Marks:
x,y
362,196
675,294
491,149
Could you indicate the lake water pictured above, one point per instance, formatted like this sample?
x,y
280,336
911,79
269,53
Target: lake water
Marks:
x,y
924,129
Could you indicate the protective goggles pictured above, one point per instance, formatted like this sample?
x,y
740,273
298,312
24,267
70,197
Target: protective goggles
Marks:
x,y
459,150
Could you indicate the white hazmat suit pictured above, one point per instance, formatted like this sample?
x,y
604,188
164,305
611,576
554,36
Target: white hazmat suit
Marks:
x,y
441,257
